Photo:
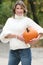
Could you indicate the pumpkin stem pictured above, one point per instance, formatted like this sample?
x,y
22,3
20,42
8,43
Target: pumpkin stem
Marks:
x,y
27,29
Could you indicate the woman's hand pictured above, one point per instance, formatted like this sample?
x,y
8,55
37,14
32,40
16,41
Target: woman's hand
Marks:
x,y
20,37
35,40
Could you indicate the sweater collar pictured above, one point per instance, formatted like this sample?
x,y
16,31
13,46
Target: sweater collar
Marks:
x,y
19,17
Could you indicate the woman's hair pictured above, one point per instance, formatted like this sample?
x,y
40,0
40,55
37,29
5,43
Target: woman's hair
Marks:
x,y
21,3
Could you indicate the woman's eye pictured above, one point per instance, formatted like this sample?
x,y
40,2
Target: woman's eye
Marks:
x,y
17,8
21,8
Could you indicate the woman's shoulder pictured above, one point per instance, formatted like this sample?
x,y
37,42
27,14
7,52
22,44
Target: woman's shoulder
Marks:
x,y
8,21
10,18
28,18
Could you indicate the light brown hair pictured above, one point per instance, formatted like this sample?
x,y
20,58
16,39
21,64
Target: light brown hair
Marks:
x,y
21,3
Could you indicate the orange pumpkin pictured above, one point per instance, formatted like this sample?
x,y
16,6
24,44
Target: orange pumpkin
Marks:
x,y
29,34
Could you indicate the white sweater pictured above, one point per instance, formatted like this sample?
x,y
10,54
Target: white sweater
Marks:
x,y
17,26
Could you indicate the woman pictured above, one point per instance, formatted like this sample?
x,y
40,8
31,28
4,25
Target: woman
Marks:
x,y
12,33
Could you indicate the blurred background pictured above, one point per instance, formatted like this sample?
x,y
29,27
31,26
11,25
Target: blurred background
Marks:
x,y
35,12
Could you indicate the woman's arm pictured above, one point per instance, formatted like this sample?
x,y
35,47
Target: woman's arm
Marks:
x,y
41,34
10,36
20,37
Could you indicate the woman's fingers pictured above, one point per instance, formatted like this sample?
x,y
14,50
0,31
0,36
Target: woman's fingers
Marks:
x,y
20,37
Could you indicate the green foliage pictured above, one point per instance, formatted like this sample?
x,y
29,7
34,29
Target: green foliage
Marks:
x,y
40,11
5,12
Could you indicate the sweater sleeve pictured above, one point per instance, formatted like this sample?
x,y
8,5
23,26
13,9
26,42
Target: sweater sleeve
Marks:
x,y
5,31
35,25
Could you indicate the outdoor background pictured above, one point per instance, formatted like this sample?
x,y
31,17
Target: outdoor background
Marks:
x,y
35,11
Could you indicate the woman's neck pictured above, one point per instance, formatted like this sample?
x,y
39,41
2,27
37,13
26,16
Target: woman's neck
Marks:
x,y
19,17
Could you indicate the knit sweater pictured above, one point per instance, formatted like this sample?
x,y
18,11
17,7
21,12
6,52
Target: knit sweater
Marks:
x,y
17,25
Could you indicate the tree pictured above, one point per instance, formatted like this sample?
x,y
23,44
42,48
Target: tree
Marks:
x,y
0,1
31,6
33,9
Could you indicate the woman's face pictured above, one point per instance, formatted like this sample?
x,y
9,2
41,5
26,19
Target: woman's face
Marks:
x,y
19,10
